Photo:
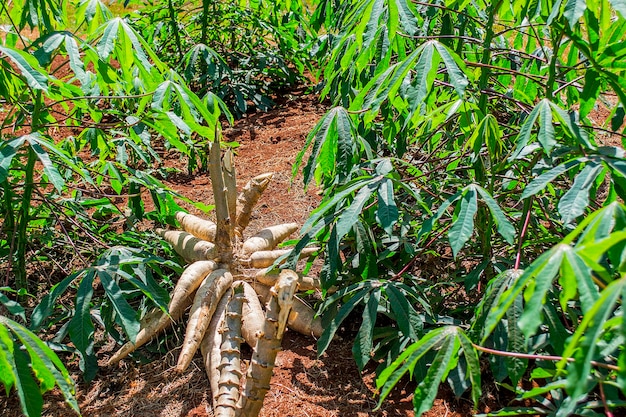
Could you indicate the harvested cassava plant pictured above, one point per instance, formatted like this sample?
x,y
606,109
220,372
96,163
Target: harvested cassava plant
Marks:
x,y
225,312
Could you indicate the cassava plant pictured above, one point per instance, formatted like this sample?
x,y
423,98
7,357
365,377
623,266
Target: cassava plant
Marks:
x,y
225,308
243,51
466,141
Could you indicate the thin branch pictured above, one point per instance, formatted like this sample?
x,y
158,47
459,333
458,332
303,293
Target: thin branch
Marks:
x,y
539,357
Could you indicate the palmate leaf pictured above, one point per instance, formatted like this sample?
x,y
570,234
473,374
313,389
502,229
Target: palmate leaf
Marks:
x,y
81,327
427,389
12,306
356,292
584,344
49,167
34,374
503,225
406,317
7,361
449,342
128,317
8,150
546,267
333,143
387,213
351,214
574,9
544,179
575,268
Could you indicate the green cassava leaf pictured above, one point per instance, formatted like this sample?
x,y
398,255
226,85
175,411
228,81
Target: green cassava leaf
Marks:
x,y
409,358
357,293
584,343
544,179
7,361
576,200
453,64
128,317
49,167
27,67
505,228
351,214
405,315
27,388
364,342
463,226
516,367
427,389
574,10
387,213
81,328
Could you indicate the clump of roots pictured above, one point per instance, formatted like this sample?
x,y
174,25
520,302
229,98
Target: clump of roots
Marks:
x,y
226,300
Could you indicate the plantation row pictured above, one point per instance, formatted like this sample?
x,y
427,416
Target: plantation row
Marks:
x,y
471,166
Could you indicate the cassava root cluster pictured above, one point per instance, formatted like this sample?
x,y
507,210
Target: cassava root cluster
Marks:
x,y
226,296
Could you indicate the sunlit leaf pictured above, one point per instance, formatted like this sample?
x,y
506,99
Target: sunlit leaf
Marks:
x,y
463,226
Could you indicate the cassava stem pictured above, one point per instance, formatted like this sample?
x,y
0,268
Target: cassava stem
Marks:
x,y
230,185
223,234
268,345
230,364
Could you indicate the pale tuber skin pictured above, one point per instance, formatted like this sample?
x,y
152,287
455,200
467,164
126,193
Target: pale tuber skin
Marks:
x,y
263,259
253,317
188,246
204,305
211,345
200,228
248,199
305,283
268,238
